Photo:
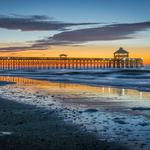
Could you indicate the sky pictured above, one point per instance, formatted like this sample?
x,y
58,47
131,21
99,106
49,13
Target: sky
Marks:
x,y
79,28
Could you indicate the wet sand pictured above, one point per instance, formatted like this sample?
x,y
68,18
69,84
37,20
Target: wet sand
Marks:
x,y
25,127
102,115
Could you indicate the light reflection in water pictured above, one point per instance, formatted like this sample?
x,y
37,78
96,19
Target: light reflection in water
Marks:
x,y
141,95
127,94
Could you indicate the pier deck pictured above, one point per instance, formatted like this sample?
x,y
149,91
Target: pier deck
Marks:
x,y
68,63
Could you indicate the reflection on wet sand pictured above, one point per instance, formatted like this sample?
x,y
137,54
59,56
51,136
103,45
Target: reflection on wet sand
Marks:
x,y
113,114
121,93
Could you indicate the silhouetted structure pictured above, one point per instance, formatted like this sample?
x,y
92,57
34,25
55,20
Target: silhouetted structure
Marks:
x,y
121,60
63,56
121,53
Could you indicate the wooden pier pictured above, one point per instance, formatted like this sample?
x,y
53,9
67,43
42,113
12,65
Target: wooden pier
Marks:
x,y
121,60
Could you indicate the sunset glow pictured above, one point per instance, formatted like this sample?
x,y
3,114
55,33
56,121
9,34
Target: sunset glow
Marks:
x,y
98,33
84,51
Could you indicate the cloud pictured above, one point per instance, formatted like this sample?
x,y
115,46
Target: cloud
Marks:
x,y
37,45
104,33
22,48
34,23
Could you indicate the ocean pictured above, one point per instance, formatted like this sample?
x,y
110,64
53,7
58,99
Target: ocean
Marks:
x,y
126,78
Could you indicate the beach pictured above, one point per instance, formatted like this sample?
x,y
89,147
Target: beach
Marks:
x,y
37,113
25,127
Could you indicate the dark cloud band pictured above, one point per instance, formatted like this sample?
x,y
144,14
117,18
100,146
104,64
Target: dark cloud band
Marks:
x,y
34,23
105,33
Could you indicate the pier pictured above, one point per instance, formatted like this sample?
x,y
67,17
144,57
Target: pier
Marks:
x,y
121,59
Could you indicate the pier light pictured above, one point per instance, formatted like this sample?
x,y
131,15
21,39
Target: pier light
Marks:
x,y
123,92
103,89
141,95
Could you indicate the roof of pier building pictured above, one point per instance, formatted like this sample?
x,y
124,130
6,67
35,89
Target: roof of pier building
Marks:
x,y
63,55
121,51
